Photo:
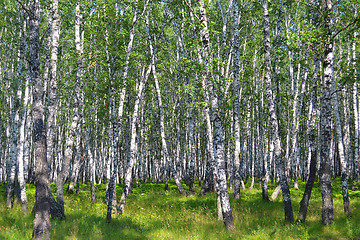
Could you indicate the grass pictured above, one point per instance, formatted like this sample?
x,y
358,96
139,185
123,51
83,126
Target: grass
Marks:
x,y
152,213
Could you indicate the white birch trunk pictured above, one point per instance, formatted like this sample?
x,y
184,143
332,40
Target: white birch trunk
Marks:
x,y
133,145
325,122
356,114
218,144
13,162
273,117
341,148
236,83
21,151
297,109
52,101
72,132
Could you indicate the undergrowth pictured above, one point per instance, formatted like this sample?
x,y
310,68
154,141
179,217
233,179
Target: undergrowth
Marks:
x,y
152,213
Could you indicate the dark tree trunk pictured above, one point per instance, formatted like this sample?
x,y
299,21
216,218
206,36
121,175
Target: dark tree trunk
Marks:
x,y
42,207
311,132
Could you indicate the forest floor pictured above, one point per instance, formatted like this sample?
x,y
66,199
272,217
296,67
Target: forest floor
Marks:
x,y
152,213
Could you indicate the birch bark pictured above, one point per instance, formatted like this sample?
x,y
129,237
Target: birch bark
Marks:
x,y
325,122
356,113
113,136
133,145
312,156
273,117
74,122
42,207
216,144
297,109
236,83
15,102
22,147
52,101
341,148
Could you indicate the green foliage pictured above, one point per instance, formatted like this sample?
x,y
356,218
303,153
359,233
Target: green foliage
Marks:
x,y
152,213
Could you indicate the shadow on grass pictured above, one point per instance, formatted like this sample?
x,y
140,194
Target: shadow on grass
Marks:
x,y
78,226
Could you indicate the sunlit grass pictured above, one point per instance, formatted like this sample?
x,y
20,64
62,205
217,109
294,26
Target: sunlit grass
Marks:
x,y
152,213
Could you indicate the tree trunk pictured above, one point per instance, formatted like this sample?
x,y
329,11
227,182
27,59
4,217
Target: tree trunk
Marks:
x,y
113,135
21,151
42,206
91,163
261,157
312,143
273,117
341,148
356,114
218,143
15,102
133,144
52,101
236,102
75,119
325,122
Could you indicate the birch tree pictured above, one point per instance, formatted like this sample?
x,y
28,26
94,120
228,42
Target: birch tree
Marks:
x,y
52,98
273,118
325,121
236,101
218,144
312,155
60,213
42,206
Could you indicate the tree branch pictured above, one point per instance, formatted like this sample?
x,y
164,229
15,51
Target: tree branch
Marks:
x,y
143,12
23,7
46,32
347,26
192,10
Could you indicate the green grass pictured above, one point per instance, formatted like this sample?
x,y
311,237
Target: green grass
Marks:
x,y
152,213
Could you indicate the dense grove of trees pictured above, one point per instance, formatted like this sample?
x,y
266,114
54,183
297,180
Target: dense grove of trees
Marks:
x,y
218,92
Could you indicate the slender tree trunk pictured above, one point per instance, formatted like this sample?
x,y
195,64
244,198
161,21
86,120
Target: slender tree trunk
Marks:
x,y
262,158
294,156
21,151
13,161
22,126
273,117
75,119
312,143
133,145
113,135
76,164
325,122
356,114
52,101
341,148
91,163
191,148
218,144
236,102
